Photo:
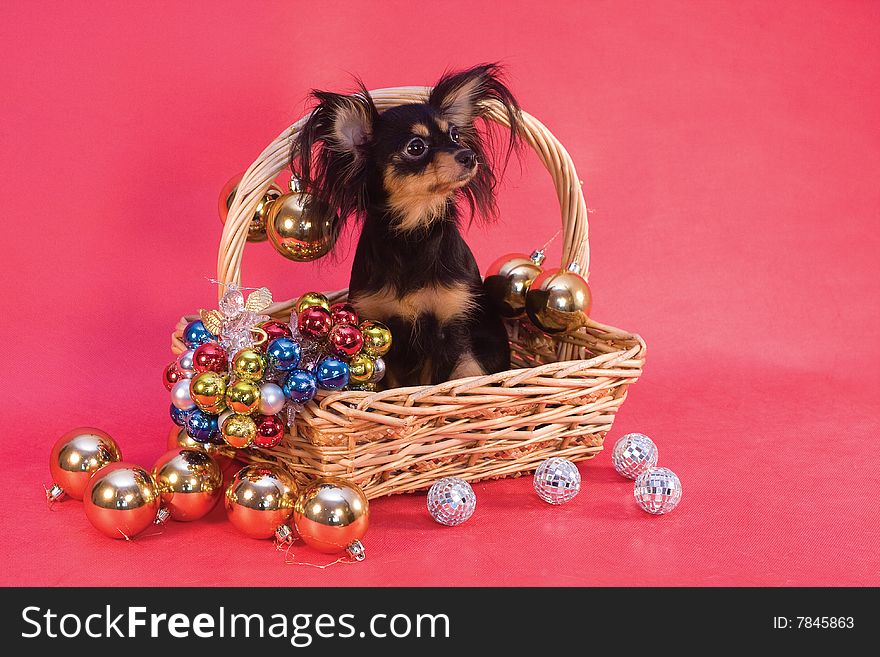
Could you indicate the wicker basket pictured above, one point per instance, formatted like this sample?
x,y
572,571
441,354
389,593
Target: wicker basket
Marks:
x,y
560,401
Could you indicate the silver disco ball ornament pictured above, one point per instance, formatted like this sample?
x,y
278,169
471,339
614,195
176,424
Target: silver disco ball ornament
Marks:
x,y
658,490
557,480
633,454
451,501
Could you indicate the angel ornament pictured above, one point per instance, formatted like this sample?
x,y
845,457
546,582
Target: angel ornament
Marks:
x,y
236,323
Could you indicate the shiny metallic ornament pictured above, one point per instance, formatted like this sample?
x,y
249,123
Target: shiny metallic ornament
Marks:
x,y
180,396
190,482
243,397
657,490
201,426
345,340
344,313
171,375
332,514
332,373
509,278
272,398
238,430
557,480
378,370
377,338
257,226
296,232
451,501
195,334
249,365
260,499
283,354
633,454
300,386
275,329
75,457
361,368
310,299
179,439
559,300
270,430
210,357
208,392
315,322
121,500
179,416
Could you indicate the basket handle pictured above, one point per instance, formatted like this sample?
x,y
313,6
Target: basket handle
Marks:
x,y
275,158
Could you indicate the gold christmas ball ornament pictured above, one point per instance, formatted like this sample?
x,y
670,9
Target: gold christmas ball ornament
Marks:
x,y
260,500
559,300
299,233
208,391
190,483
310,299
509,278
257,227
377,338
332,515
360,368
179,439
121,500
75,457
249,365
243,397
239,431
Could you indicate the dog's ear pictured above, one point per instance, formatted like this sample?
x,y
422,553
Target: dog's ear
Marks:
x,y
329,154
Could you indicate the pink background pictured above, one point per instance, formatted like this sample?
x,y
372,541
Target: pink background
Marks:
x,y
731,155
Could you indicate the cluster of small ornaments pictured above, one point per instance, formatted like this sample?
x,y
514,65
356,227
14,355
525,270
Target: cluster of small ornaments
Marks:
x,y
657,490
244,376
554,300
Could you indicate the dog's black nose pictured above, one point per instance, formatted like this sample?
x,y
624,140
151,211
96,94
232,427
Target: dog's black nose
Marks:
x,y
466,157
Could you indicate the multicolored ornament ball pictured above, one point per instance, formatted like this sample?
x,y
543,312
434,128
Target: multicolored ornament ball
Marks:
x,y
121,500
75,457
272,398
557,480
180,396
310,299
315,322
243,397
201,426
208,391
210,357
238,430
344,313
270,430
451,501
361,368
190,482
300,386
377,338
284,354
345,340
657,490
633,454
332,373
195,334
249,365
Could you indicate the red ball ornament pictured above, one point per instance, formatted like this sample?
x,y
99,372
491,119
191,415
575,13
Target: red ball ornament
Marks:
x,y
315,322
345,340
270,430
171,375
210,357
344,313
275,329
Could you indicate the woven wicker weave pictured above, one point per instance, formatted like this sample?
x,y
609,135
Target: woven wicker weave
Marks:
x,y
560,401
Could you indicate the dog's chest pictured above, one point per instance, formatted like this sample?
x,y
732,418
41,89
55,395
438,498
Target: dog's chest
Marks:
x,y
445,302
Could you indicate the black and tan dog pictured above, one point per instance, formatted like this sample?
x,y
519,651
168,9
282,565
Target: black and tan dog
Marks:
x,y
403,171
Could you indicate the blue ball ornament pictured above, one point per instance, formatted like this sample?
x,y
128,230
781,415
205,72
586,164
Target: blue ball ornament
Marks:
x,y
201,426
196,334
300,386
283,354
179,416
332,373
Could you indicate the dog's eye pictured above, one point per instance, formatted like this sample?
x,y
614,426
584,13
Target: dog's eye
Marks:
x,y
453,133
415,147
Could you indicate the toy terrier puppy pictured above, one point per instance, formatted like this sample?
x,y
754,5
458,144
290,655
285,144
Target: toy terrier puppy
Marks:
x,y
403,172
